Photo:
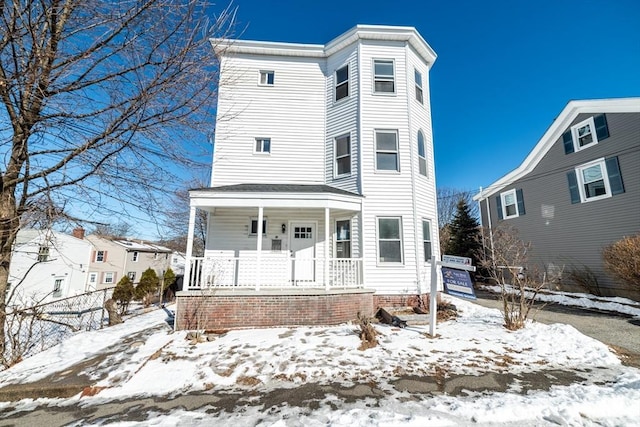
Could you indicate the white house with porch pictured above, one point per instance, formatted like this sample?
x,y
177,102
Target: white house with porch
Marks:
x,y
323,184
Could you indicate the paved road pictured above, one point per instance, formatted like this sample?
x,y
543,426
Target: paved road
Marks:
x,y
611,328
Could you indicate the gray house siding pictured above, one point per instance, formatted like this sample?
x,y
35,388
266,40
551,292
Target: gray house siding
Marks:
x,y
567,235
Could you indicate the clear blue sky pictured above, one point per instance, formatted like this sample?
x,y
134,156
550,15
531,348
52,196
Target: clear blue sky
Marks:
x,y
505,69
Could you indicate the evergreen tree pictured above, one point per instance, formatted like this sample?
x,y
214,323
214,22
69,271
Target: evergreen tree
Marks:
x,y
168,279
464,238
148,284
123,293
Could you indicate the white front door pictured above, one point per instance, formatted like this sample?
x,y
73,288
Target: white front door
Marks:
x,y
303,250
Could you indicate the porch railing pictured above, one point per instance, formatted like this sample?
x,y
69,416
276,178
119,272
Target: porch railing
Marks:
x,y
276,271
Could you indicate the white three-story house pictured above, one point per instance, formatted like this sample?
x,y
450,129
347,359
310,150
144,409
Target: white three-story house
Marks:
x,y
323,185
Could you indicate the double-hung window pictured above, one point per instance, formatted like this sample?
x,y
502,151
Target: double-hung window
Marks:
x,y
263,145
57,287
100,256
585,134
510,204
390,240
343,239
342,82
426,239
383,76
417,77
267,78
254,226
595,180
135,256
387,150
422,155
109,277
343,155
43,253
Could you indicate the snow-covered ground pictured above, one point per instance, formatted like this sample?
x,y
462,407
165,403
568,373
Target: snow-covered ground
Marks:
x,y
255,362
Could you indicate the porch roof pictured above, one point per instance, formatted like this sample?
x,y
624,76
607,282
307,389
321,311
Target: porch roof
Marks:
x,y
275,195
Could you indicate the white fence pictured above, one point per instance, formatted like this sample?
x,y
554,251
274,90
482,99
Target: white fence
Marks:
x,y
274,270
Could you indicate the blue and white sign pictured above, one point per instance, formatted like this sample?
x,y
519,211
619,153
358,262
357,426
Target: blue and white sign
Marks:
x,y
458,283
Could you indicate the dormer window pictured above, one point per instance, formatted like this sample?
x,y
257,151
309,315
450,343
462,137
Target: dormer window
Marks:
x,y
267,78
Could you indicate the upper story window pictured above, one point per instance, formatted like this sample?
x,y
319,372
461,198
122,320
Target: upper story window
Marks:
x,y
43,253
343,156
422,156
342,82
383,76
585,134
263,145
595,180
417,76
510,204
101,256
57,287
387,150
267,78
135,256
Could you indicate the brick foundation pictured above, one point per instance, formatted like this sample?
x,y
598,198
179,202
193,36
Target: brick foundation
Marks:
x,y
400,301
227,309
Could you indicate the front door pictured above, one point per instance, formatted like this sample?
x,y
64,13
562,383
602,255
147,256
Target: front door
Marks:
x,y
303,250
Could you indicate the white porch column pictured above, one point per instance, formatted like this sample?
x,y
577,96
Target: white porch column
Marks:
x,y
186,281
259,247
326,248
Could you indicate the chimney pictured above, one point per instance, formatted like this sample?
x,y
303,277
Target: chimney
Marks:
x,y
78,233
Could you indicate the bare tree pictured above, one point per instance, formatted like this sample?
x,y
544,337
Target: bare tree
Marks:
x,y
99,98
176,222
506,263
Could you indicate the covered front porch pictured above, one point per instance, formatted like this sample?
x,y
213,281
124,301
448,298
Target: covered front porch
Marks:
x,y
280,237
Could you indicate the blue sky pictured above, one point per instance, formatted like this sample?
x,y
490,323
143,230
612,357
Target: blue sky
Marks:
x,y
505,69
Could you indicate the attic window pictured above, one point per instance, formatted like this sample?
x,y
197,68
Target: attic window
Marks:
x,y
585,134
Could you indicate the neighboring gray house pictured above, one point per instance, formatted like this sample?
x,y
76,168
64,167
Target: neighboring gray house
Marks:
x,y
577,191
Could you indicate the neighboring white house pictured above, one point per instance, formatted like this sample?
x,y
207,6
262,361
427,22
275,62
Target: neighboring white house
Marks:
x,y
47,265
326,153
177,263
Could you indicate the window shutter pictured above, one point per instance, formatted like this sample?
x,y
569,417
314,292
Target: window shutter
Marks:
x,y
104,257
499,206
574,191
602,130
93,256
567,140
520,200
615,177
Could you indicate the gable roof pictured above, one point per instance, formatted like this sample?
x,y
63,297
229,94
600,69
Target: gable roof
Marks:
x,y
359,32
555,131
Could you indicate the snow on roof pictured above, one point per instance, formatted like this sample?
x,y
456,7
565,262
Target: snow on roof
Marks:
x,y
140,245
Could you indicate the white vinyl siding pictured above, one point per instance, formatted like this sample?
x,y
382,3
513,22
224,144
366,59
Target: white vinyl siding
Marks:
x,y
247,111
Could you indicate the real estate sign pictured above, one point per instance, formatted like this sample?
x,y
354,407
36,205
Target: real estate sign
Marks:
x,y
457,283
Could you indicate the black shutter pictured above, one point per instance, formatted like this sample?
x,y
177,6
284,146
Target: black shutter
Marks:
x,y
499,205
574,191
615,177
602,130
567,140
520,200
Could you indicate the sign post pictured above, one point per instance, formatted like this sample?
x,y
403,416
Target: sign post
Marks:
x,y
455,279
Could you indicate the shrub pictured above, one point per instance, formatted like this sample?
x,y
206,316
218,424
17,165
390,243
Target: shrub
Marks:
x,y
148,284
622,260
123,294
585,278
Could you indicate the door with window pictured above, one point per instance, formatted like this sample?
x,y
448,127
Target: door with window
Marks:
x,y
303,250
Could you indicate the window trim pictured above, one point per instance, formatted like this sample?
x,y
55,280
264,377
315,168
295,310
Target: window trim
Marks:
x,y
342,83
422,159
266,73
400,239
265,223
336,174
100,258
261,141
424,255
111,274
574,134
396,152
605,178
93,274
418,87
384,78
503,197
336,240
